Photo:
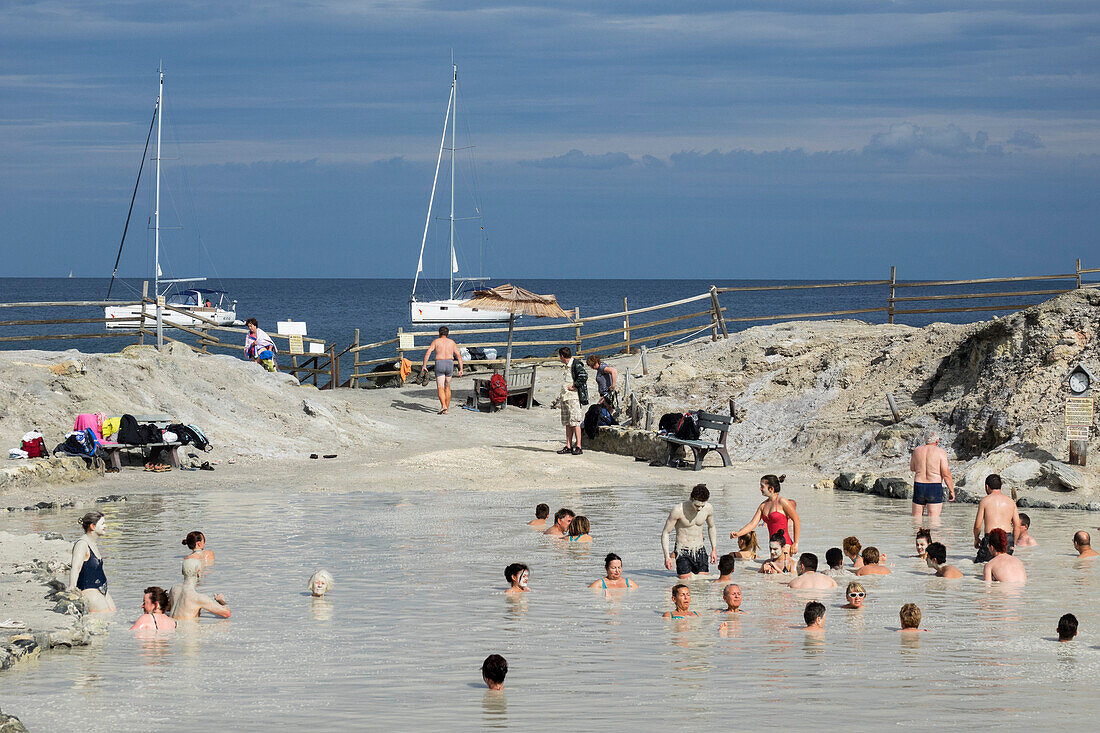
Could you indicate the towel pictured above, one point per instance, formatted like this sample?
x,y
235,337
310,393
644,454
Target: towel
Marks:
x,y
405,369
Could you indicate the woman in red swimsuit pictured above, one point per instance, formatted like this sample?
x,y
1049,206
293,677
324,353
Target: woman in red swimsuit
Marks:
x,y
776,512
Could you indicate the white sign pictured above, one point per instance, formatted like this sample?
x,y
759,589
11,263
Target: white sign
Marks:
x,y
316,348
1077,432
406,341
160,301
291,328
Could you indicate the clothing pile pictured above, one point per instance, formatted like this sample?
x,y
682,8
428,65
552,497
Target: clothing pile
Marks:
x,y
32,445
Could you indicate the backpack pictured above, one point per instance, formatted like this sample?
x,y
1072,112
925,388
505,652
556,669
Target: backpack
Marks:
x,y
498,390
81,444
150,433
34,445
128,431
580,381
191,435
688,427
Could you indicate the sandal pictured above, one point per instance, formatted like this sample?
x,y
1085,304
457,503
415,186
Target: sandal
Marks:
x,y
565,451
577,451
150,467
206,466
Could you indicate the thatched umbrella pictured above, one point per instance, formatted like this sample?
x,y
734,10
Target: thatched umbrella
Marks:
x,y
515,301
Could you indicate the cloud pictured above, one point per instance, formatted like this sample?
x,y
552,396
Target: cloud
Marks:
x,y
906,140
576,159
1024,139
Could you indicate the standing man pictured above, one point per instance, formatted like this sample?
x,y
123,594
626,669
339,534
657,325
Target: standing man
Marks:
x,y
688,518
574,393
995,511
930,472
446,352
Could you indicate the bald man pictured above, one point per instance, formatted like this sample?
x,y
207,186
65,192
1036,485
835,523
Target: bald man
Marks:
x,y
930,473
1083,544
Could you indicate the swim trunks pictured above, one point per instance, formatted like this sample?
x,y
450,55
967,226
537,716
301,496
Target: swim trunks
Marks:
x,y
985,552
691,561
444,367
927,493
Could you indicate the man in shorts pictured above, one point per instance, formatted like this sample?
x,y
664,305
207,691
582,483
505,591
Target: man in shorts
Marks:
x,y
688,519
574,393
446,353
930,472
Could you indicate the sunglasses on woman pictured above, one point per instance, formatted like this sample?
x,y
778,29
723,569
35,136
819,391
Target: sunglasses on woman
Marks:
x,y
856,594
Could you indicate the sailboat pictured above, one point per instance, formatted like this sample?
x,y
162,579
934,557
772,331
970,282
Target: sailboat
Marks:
x,y
211,305
449,309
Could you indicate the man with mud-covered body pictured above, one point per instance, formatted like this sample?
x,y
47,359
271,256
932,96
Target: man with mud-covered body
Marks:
x,y
995,511
688,518
186,601
930,473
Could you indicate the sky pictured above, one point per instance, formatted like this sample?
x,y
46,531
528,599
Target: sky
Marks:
x,y
780,139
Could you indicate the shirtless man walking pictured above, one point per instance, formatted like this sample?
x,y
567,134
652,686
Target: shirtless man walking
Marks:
x,y
186,601
995,511
930,473
446,353
688,518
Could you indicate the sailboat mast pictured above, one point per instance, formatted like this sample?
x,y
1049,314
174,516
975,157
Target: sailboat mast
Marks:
x,y
454,95
156,206
431,199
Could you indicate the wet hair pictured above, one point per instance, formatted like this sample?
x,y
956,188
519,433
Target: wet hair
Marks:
x,y
593,360
158,596
193,539
192,567
495,669
809,561
1025,520
565,352
937,552
578,526
542,511
514,570
925,533
611,557
700,492
90,520
814,610
998,540
251,322
851,545
910,616
1082,538
834,557
748,542
779,537
676,588
1067,627
993,481
870,555
562,514
772,481
726,564
443,330
324,575
856,587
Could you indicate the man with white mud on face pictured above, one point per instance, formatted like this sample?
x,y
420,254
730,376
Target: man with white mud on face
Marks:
x,y
187,602
688,518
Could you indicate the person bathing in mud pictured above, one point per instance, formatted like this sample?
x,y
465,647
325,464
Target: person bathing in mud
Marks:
x,y
154,605
185,600
936,557
86,571
688,519
681,599
922,541
930,472
542,511
1003,567
808,577
517,574
780,561
613,575
871,566
776,512
562,519
196,542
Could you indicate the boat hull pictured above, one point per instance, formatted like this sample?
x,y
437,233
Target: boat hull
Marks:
x,y
452,311
169,318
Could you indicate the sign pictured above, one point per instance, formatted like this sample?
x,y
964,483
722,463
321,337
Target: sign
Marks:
x,y
291,328
296,344
1079,411
1077,432
160,301
406,341
316,348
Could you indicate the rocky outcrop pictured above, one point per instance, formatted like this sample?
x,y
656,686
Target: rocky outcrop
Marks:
x,y
10,724
56,470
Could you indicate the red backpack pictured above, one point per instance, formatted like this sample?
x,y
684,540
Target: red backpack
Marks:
x,y
498,390
36,448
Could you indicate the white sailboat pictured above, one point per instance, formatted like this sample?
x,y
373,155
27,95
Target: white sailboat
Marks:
x,y
212,305
449,309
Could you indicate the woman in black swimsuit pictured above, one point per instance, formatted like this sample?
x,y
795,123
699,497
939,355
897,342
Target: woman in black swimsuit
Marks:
x,y
86,572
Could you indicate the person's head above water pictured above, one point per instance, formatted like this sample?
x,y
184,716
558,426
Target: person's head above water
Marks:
x,y
807,561
936,554
870,555
748,542
855,593
998,540
851,546
613,564
731,594
579,526
192,568
194,540
700,495
834,558
517,574
1025,521
814,613
563,517
155,600
992,483
1082,540
320,583
775,545
542,511
910,616
93,520
1067,627
770,483
726,564
923,539
681,595
493,670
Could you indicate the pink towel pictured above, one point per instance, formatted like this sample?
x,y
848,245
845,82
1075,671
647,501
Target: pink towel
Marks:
x,y
95,422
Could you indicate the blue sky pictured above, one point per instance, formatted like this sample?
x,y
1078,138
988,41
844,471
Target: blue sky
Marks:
x,y
779,138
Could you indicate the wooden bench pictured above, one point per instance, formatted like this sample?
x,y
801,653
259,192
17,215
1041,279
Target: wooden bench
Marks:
x,y
707,421
112,451
520,382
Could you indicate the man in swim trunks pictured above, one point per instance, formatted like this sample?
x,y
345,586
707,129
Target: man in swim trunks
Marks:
x,y
930,472
446,353
187,602
1083,544
995,511
688,518
808,577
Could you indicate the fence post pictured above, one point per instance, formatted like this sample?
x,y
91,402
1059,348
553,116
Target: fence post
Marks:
x,y
893,282
354,381
141,323
626,325
718,312
645,364
1078,273
577,320
334,368
649,416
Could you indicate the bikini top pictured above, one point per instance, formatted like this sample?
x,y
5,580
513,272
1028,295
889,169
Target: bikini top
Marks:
x,y
604,581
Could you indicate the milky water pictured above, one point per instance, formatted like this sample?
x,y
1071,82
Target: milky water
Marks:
x,y
419,603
